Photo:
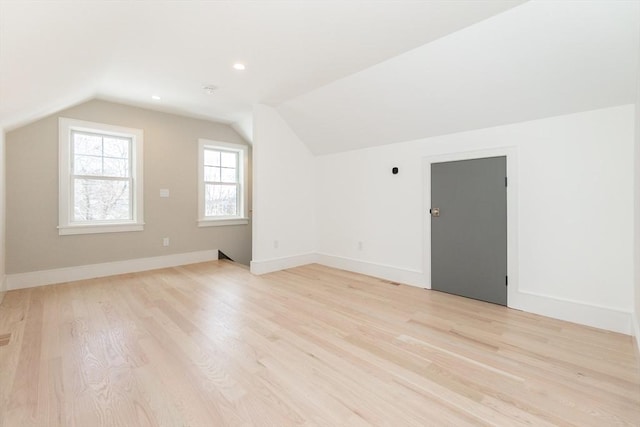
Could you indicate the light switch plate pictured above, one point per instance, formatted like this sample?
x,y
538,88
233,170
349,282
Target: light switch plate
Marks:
x,y
164,192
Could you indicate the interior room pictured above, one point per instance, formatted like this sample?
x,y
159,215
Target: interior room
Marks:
x,y
319,213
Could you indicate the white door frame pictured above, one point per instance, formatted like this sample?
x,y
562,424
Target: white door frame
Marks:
x,y
511,153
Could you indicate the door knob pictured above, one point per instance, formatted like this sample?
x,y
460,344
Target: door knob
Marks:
x,y
434,212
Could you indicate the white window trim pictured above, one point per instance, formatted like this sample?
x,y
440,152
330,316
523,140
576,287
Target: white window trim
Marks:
x,y
65,225
242,150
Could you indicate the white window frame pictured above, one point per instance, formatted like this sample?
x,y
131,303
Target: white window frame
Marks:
x,y
243,158
66,224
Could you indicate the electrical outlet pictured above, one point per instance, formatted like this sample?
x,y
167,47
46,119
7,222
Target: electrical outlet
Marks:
x,y
165,241
276,244
359,245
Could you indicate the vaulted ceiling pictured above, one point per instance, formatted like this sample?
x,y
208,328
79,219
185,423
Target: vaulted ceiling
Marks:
x,y
344,74
540,59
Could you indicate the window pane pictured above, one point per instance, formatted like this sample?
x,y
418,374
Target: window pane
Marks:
x,y
211,158
101,200
228,175
87,144
87,165
116,147
229,159
90,159
211,174
116,167
221,200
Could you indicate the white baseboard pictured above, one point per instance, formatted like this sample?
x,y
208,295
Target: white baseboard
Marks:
x,y
387,272
276,264
82,272
602,317
573,311
608,318
3,287
636,329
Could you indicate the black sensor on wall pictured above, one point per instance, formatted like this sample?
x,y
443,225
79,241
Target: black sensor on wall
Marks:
x,y
394,171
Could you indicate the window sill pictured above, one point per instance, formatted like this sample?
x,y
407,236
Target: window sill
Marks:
x,y
65,230
222,222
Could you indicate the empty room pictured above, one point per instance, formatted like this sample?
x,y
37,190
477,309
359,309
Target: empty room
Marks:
x,y
319,213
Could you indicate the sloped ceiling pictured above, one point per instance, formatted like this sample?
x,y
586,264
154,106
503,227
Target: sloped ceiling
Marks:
x,y
57,53
540,59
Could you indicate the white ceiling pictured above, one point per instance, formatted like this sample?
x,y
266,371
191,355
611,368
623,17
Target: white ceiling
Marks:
x,y
345,74
54,54
540,59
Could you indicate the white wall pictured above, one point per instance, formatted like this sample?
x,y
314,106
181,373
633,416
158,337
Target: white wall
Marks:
x,y
575,212
3,282
636,317
637,223
283,195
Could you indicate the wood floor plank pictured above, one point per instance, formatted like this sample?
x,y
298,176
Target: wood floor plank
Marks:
x,y
212,345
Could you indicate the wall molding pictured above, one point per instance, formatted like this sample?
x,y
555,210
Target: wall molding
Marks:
x,y
598,316
595,315
91,271
636,329
276,264
608,318
382,271
3,287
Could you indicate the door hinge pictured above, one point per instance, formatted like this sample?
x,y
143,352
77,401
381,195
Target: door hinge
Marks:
x,y
506,280
505,181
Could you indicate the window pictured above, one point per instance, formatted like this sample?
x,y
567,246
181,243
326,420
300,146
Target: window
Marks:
x,y
100,178
221,183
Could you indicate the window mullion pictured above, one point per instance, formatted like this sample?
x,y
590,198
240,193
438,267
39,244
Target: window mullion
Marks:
x,y
102,154
220,183
101,177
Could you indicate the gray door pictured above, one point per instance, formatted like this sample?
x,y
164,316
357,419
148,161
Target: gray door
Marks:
x,y
469,228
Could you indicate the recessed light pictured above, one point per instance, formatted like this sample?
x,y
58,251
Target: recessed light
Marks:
x,y
155,97
238,66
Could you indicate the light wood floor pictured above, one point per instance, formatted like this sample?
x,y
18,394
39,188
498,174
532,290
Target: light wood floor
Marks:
x,y
211,345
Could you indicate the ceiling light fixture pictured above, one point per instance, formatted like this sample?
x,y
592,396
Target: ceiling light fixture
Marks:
x,y
209,89
155,97
238,66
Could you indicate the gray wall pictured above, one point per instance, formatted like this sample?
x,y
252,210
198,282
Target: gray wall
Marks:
x,y
170,161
